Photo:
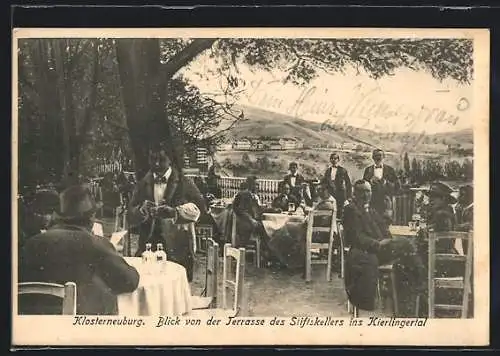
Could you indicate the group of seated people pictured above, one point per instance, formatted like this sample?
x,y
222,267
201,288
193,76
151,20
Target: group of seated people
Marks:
x,y
164,202
366,234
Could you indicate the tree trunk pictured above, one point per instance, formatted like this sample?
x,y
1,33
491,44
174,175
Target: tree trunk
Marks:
x,y
144,79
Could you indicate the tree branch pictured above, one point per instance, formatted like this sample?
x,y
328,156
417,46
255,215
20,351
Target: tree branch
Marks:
x,y
185,56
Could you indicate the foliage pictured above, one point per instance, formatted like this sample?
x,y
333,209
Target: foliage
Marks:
x,y
85,100
302,58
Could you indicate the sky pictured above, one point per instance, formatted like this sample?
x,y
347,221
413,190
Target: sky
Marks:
x,y
408,101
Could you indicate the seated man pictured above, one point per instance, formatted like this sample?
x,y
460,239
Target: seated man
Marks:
x,y
294,180
69,252
285,198
326,202
371,245
246,206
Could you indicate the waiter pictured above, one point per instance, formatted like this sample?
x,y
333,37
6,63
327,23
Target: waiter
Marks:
x,y
298,185
337,181
163,205
384,183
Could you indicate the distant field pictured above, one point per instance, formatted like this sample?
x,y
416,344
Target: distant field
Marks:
x,y
312,162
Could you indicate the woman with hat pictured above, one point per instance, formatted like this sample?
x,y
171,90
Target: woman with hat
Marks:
x,y
69,252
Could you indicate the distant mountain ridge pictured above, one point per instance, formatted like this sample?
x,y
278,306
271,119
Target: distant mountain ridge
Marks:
x,y
259,122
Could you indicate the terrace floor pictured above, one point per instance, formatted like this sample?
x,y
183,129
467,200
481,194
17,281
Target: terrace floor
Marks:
x,y
278,292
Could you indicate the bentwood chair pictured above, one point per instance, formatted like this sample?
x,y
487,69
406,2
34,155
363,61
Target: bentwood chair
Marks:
x,y
66,292
203,234
209,297
233,280
460,284
310,244
253,246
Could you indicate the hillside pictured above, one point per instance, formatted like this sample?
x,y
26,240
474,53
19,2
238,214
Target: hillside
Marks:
x,y
259,122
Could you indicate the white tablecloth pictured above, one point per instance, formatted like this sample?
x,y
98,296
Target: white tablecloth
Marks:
x,y
273,221
165,293
402,231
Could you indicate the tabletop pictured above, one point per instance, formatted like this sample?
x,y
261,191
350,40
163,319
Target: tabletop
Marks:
x,y
402,230
160,292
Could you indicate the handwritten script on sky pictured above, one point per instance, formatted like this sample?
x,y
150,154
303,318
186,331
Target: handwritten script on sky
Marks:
x,y
408,101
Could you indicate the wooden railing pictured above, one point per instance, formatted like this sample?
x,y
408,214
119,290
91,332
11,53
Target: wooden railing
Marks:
x,y
268,188
403,204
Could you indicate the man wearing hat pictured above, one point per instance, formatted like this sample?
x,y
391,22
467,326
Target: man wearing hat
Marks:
x,y
384,183
163,205
69,252
441,218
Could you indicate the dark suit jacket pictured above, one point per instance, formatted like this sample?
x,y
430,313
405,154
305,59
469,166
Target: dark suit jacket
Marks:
x,y
247,212
68,253
381,191
392,184
340,188
362,233
281,201
174,235
297,189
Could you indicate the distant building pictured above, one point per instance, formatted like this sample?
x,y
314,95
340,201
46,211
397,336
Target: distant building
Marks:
x,y
257,145
242,144
274,145
349,145
288,143
228,146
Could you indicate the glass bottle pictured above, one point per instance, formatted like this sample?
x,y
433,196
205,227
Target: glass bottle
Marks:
x,y
161,256
148,257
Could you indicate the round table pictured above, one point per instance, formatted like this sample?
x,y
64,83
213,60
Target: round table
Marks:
x,y
283,217
402,231
165,292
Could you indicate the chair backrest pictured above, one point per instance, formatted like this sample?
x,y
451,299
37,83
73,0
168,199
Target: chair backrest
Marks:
x,y
66,292
311,228
433,256
340,231
212,270
233,229
120,218
194,243
203,233
236,284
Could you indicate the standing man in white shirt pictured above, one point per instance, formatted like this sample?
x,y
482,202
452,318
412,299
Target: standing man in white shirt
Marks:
x,y
163,205
336,179
384,183
296,182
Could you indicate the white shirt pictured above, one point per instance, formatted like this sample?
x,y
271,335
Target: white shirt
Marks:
x,y
333,173
292,180
159,189
378,172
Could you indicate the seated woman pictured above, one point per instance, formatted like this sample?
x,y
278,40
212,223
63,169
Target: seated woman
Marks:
x,y
283,200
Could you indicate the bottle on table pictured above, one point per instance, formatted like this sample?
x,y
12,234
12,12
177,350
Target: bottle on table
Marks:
x,y
148,257
161,256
